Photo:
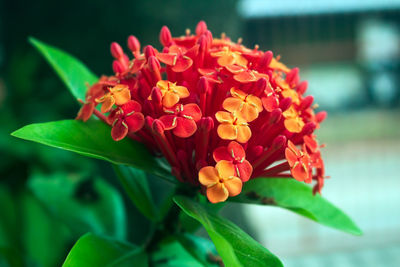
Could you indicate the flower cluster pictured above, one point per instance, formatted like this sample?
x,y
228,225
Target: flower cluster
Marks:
x,y
220,113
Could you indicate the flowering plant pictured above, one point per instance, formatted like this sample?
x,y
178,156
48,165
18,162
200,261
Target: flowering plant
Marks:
x,y
220,121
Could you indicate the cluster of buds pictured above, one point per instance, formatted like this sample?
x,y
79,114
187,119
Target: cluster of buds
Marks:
x,y
220,113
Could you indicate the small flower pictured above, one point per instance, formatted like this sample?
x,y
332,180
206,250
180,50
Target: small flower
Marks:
x,y
270,99
171,93
118,95
177,58
243,105
245,75
182,120
220,181
293,122
228,57
232,127
299,162
125,119
235,154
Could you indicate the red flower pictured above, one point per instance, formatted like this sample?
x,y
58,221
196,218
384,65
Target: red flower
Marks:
x,y
235,154
299,162
125,119
182,120
219,112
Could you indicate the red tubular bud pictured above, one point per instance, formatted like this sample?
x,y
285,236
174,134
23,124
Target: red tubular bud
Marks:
x,y
260,86
292,78
308,128
149,51
321,116
278,142
133,44
117,67
201,28
148,122
203,85
265,60
206,123
306,102
285,103
154,67
254,152
302,87
165,36
156,95
116,50
209,36
275,116
158,127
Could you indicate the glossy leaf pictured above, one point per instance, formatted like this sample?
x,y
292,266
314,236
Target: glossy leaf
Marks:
x,y
73,72
200,248
92,139
171,253
136,186
83,204
297,197
235,247
93,250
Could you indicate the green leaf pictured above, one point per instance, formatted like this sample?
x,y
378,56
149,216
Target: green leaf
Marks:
x,y
171,253
83,204
200,248
92,139
92,251
234,246
297,197
73,72
136,186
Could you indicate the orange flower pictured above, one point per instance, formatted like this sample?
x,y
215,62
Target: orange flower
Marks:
x,y
228,57
299,162
293,122
243,105
220,181
171,93
232,127
118,95
245,75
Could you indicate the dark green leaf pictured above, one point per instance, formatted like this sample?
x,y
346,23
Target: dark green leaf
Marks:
x,y
73,72
92,251
171,253
136,186
234,246
297,197
200,248
83,204
92,139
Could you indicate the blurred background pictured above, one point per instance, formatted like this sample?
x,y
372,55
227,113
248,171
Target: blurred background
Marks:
x,y
348,50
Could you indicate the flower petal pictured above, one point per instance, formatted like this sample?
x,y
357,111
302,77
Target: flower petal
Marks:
x,y
232,104
122,96
182,63
119,130
208,175
236,151
221,153
225,169
245,170
135,122
192,110
170,99
85,112
184,127
234,186
217,193
181,91
227,131
244,134
294,125
169,121
223,116
107,103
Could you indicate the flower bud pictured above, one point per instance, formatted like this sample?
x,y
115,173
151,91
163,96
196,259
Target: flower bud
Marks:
x,y
285,103
116,50
133,44
165,36
201,28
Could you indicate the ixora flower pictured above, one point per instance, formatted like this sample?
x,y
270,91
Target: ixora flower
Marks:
x,y
220,113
